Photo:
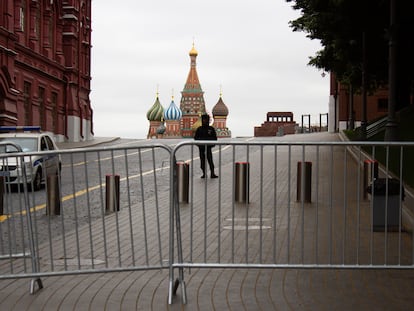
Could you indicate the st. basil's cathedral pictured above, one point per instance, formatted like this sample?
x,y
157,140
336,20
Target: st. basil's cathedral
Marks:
x,y
181,122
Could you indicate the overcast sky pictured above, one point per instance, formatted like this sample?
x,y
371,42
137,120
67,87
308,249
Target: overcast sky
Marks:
x,y
246,47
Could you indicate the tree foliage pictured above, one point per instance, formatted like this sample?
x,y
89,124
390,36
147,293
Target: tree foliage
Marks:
x,y
341,25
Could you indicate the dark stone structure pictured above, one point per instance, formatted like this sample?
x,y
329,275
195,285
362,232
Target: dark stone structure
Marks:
x,y
276,124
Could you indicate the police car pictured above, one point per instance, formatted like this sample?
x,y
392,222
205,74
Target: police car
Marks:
x,y
37,166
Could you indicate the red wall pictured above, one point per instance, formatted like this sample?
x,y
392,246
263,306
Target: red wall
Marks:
x,y
45,45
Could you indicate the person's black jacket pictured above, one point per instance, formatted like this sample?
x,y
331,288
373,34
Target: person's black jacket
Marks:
x,y
205,132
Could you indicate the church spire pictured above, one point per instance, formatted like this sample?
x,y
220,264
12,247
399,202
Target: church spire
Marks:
x,y
192,98
193,84
193,51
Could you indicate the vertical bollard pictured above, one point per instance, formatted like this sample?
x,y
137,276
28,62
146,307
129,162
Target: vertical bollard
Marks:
x,y
370,171
307,182
112,193
2,195
53,195
241,190
183,181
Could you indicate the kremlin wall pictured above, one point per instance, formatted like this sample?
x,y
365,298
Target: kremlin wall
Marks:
x,y
181,122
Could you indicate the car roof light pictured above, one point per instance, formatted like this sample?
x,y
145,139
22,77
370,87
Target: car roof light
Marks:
x,y
25,128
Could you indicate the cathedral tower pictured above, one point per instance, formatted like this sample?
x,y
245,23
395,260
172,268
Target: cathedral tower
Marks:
x,y
220,113
192,99
172,117
155,116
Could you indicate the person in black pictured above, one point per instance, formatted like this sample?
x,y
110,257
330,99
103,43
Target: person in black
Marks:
x,y
206,132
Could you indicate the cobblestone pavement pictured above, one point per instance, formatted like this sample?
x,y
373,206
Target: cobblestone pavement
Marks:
x,y
221,289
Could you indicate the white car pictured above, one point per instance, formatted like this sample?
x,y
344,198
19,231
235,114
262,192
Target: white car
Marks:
x,y
37,166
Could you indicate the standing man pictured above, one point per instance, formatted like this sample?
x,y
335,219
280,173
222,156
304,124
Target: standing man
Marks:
x,y
206,132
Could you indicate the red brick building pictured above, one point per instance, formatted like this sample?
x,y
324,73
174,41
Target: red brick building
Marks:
x,y
45,50
341,108
277,123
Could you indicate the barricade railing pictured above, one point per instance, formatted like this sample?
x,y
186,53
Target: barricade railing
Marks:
x,y
74,231
316,217
17,240
376,127
108,209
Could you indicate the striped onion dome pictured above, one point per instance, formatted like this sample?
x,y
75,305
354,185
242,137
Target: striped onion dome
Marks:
x,y
173,112
156,112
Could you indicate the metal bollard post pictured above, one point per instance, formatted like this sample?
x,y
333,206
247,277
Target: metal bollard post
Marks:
x,y
370,173
112,193
183,181
241,190
306,191
53,195
2,195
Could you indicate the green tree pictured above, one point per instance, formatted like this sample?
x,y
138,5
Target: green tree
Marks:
x,y
349,28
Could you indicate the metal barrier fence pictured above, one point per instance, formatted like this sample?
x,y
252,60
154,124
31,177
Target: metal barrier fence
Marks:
x,y
304,208
72,223
274,205
17,244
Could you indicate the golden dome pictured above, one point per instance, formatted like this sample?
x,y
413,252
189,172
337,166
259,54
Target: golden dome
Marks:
x,y
193,51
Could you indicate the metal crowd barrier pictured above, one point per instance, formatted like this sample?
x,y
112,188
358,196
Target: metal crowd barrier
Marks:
x,y
122,208
315,217
67,224
17,238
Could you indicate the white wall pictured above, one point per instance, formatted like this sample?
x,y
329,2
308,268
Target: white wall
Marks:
x,y
74,134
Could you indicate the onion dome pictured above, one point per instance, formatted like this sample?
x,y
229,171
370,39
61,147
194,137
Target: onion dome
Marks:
x,y
193,51
173,112
220,109
156,112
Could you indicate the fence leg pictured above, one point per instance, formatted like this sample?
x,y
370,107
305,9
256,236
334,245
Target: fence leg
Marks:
x,y
175,221
32,285
30,232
